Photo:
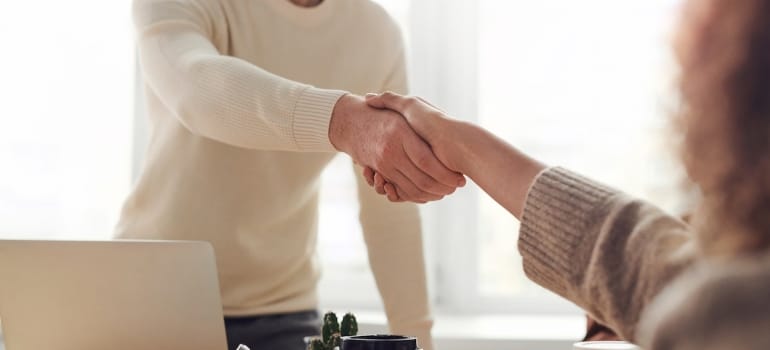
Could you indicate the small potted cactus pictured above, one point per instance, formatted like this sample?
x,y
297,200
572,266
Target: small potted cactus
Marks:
x,y
342,336
332,332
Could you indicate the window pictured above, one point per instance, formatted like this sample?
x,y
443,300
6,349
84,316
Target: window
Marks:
x,y
581,84
587,85
67,71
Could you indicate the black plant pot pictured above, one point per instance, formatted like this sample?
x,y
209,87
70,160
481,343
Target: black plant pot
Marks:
x,y
379,342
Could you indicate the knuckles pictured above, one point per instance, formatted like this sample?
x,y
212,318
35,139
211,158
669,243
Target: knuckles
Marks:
x,y
410,102
426,184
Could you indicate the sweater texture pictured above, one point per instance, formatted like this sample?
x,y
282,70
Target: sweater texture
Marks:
x,y
637,269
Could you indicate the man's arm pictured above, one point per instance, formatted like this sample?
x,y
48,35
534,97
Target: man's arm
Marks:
x,y
223,97
235,102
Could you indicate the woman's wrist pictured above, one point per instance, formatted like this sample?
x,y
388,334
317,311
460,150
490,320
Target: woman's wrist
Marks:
x,y
499,168
459,136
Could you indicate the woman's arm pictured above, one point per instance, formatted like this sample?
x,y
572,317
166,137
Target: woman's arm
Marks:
x,y
605,251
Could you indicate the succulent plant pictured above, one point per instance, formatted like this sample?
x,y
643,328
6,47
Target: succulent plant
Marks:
x,y
330,327
349,325
332,333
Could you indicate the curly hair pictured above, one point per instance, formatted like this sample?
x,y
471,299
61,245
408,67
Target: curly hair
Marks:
x,y
724,52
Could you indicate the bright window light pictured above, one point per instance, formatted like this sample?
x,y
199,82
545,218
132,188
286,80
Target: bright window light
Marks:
x,y
66,103
587,85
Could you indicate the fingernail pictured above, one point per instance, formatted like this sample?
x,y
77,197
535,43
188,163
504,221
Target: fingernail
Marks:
x,y
461,182
370,95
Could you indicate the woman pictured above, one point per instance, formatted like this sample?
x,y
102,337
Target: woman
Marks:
x,y
658,281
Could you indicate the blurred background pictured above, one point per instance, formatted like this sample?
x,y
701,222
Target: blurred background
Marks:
x,y
588,85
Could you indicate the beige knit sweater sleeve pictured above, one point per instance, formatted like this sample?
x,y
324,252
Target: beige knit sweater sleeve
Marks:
x,y
223,97
608,253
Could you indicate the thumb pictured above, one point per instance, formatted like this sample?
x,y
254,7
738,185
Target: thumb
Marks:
x,y
374,100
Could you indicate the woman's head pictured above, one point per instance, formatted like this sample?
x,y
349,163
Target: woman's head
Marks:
x,y
724,50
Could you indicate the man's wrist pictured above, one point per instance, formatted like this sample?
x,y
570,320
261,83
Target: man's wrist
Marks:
x,y
339,124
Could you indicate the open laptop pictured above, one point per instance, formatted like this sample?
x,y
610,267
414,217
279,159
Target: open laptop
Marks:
x,y
117,295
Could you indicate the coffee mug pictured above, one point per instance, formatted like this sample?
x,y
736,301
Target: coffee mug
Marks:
x,y
604,345
379,342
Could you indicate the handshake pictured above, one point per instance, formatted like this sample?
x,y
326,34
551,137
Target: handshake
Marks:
x,y
404,144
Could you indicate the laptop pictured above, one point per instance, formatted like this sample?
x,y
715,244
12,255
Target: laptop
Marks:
x,y
117,295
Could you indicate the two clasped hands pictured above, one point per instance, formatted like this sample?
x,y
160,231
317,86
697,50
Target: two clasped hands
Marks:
x,y
412,151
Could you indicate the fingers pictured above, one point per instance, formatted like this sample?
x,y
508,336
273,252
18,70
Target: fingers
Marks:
x,y
392,193
369,175
421,179
440,179
388,189
379,183
383,187
408,190
389,100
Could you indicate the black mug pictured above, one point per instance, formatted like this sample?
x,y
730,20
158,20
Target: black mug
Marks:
x,y
379,342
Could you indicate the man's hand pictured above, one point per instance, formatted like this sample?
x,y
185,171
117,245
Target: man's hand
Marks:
x,y
425,119
382,140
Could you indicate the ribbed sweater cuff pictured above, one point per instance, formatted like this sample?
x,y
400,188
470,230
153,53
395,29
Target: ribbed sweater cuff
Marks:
x,y
554,239
311,119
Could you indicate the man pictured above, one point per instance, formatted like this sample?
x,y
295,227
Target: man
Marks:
x,y
244,120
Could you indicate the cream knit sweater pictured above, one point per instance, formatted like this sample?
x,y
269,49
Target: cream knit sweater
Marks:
x,y
240,93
